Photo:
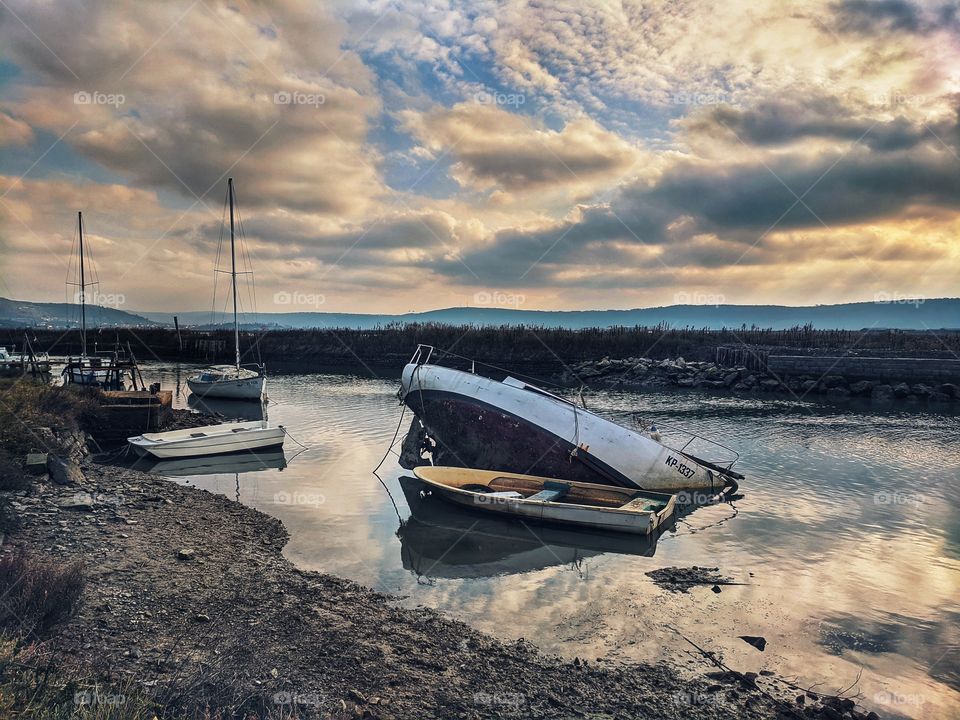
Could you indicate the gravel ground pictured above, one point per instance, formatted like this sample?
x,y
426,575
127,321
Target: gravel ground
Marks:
x,y
189,597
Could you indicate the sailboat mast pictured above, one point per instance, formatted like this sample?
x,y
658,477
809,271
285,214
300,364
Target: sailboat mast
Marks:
x,y
83,295
233,278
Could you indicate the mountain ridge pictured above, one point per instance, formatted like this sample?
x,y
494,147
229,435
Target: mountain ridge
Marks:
x,y
920,314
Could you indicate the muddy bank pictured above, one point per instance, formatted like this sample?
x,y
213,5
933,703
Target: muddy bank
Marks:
x,y
640,373
189,599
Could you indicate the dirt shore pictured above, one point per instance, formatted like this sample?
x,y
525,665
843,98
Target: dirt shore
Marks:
x,y
189,599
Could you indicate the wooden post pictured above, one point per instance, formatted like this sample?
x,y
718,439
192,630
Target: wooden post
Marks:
x,y
176,325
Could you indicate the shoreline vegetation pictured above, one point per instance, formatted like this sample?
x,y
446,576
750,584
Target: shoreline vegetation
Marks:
x,y
545,347
734,360
173,602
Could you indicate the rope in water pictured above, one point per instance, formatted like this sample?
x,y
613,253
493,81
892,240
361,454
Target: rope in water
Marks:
x,y
287,433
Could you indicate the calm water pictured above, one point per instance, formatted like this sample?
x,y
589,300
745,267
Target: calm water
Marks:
x,y
847,538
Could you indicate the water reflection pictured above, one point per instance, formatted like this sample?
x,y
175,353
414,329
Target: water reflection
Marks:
x,y
847,539
218,464
228,409
444,540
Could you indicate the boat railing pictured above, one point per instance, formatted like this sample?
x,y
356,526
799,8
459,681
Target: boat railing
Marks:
x,y
422,355
697,445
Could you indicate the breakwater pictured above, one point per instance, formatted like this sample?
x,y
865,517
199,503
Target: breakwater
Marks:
x,y
936,380
507,345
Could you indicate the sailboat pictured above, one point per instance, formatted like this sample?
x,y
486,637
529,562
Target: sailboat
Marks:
x,y
238,382
106,370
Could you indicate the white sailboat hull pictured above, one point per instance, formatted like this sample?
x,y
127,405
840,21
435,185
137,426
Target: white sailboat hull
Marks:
x,y
236,389
209,440
512,426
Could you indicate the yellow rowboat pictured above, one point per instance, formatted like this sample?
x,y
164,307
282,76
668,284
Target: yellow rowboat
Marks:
x,y
547,500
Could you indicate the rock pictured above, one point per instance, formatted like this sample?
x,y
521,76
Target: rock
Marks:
x,y
749,381
838,392
186,554
81,501
832,381
951,390
716,589
862,387
901,390
730,378
64,472
760,643
881,392
36,464
201,617
809,386
921,390
770,384
685,382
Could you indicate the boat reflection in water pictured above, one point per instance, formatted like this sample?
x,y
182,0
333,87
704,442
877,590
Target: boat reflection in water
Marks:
x,y
219,464
444,540
229,409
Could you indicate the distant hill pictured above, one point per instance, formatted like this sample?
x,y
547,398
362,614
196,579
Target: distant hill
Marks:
x,y
19,313
937,314
907,315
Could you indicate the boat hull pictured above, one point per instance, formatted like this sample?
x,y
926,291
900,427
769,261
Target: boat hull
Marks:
x,y
491,425
237,389
209,441
612,519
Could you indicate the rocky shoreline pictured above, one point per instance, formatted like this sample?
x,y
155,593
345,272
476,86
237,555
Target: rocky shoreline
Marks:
x,y
641,373
189,605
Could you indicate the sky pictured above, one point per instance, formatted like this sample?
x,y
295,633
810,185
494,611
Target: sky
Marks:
x,y
392,156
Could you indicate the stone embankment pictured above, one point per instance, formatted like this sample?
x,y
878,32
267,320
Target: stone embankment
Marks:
x,y
638,373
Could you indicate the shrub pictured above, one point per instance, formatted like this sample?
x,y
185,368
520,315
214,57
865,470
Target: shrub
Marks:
x,y
27,407
12,475
37,594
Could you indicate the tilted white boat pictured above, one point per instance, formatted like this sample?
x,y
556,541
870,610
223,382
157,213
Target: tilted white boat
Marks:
x,y
235,382
512,426
209,440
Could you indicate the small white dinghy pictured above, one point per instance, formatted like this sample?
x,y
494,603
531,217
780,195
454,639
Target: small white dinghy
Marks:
x,y
604,507
209,440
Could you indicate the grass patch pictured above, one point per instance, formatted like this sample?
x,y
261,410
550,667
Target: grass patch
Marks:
x,y
28,407
37,594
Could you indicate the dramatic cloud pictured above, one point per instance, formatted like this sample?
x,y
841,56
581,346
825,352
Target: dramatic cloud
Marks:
x,y
405,155
499,149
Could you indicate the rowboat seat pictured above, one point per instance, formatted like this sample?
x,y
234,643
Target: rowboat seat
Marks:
x,y
551,491
642,503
